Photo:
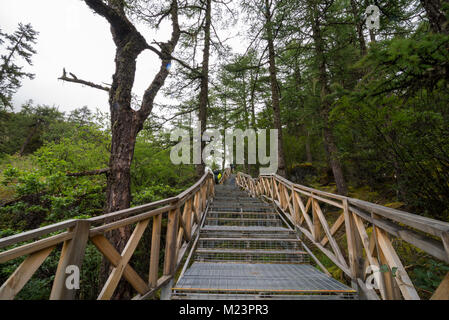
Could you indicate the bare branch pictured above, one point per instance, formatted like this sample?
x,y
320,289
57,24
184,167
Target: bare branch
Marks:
x,y
75,79
89,173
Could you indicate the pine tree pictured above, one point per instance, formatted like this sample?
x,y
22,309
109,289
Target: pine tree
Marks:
x,y
20,46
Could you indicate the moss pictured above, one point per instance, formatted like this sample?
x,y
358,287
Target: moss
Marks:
x,y
395,205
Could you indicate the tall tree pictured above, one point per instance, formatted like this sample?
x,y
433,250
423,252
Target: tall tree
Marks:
x,y
315,14
204,91
126,122
20,45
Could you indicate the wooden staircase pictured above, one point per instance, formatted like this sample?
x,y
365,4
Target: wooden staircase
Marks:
x,y
246,250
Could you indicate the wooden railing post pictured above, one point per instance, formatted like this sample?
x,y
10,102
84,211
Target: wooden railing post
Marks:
x,y
316,232
171,241
387,282
155,247
355,249
72,254
296,208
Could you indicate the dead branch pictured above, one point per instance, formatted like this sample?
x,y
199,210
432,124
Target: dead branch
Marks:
x,y
88,173
75,79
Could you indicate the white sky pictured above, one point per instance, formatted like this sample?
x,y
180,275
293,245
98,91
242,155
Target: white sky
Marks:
x,y
72,36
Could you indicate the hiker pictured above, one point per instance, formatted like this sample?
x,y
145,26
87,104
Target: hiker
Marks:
x,y
217,176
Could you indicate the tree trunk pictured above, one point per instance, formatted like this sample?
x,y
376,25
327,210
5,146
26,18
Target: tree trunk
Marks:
x,y
437,18
359,26
308,147
332,151
126,123
275,90
329,139
28,139
204,93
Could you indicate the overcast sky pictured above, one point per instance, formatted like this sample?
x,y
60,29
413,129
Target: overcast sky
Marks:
x,y
71,36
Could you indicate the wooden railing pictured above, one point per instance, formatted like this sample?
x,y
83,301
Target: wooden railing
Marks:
x,y
363,246
225,176
184,212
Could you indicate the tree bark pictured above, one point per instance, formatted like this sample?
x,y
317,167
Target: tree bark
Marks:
x,y
359,26
28,139
204,92
435,14
275,90
308,146
329,138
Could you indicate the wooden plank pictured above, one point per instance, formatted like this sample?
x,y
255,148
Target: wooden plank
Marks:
x,y
445,239
116,274
183,228
23,274
36,233
427,244
128,221
333,203
110,253
405,284
350,238
170,246
328,253
316,231
188,217
365,241
424,224
296,208
442,292
332,241
72,254
305,211
335,227
155,248
119,215
34,246
392,291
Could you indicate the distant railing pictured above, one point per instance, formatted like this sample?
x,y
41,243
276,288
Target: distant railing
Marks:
x,y
303,207
185,213
225,176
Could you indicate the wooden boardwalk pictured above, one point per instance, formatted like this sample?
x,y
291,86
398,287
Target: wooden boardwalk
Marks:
x,y
249,242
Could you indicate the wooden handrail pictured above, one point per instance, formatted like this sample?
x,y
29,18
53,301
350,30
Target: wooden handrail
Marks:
x,y
225,176
184,213
301,205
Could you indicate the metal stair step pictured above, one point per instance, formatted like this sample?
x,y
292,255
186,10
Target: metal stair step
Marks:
x,y
251,256
251,215
229,281
243,222
249,243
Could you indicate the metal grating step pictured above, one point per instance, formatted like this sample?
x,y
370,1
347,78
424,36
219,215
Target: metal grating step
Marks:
x,y
251,215
261,296
260,279
231,208
250,243
278,234
244,229
244,222
251,256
